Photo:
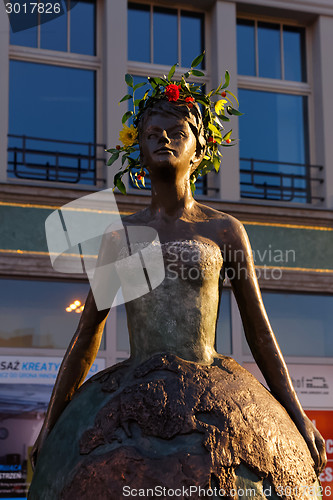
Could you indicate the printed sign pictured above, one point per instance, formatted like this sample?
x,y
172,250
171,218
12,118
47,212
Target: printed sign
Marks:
x,y
313,383
323,420
36,369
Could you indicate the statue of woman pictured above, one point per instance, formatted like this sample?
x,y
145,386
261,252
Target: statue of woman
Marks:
x,y
177,414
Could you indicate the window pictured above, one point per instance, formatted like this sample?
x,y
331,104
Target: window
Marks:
x,y
73,30
301,323
159,35
39,313
52,103
163,36
273,94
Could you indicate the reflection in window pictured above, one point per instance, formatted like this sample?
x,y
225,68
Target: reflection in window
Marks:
x,y
73,31
122,341
246,58
223,328
139,32
165,36
33,313
302,323
294,54
270,39
277,134
53,34
269,50
177,35
55,103
192,37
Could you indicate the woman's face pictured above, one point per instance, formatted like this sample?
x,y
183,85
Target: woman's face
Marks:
x,y
167,141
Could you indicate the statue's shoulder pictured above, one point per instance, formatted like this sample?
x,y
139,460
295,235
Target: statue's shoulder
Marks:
x,y
222,219
137,218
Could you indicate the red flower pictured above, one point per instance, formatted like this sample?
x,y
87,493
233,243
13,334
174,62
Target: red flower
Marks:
x,y
189,101
172,92
223,94
211,139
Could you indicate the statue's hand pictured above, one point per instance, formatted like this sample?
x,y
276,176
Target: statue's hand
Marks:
x,y
315,442
38,446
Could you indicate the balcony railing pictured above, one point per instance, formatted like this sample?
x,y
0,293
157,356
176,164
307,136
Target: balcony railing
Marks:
x,y
52,160
281,181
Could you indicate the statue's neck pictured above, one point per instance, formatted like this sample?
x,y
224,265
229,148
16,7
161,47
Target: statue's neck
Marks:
x,y
171,200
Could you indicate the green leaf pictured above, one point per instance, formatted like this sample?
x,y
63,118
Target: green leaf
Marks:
x,y
138,85
195,72
126,116
227,80
129,80
227,135
218,121
113,158
172,71
123,159
233,95
160,81
197,60
233,111
125,98
137,102
121,186
224,118
214,129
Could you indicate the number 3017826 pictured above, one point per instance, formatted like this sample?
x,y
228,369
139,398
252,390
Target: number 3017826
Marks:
x,y
33,8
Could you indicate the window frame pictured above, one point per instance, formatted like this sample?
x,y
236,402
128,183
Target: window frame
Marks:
x,y
289,87
68,60
143,69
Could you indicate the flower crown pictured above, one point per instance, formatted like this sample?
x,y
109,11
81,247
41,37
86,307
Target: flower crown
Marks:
x,y
213,114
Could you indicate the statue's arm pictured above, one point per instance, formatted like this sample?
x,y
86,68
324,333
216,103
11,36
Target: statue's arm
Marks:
x,y
81,351
261,339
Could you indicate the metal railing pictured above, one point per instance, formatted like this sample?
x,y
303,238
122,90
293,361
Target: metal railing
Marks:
x,y
280,181
52,160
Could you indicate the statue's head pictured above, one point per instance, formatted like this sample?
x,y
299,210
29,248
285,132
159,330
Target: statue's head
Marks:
x,y
164,113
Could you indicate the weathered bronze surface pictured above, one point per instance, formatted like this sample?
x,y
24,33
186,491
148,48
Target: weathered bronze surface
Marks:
x,y
176,407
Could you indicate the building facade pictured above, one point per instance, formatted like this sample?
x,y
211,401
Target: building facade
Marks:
x,y
61,79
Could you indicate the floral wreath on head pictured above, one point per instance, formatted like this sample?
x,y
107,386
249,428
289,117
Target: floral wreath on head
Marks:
x,y
214,112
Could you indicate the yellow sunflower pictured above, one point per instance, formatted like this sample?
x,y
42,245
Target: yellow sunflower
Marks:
x,y
128,135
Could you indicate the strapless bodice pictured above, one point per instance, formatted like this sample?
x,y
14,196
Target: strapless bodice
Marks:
x,y
178,316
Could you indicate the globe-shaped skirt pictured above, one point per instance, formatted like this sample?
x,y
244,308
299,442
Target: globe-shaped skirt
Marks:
x,y
170,427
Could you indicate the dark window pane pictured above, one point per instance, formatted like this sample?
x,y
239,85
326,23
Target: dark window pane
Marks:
x,y
33,313
246,59
273,128
294,54
269,49
165,36
27,37
302,323
82,27
192,37
223,328
53,102
139,32
53,34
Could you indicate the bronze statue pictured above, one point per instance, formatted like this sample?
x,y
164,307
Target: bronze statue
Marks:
x,y
177,411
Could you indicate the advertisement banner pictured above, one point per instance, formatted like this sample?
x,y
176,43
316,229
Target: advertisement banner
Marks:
x,y
323,420
36,369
